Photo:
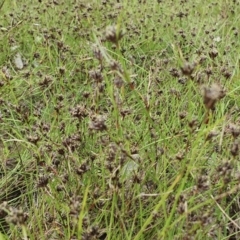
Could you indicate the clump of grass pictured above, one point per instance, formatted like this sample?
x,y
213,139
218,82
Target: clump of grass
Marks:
x,y
119,120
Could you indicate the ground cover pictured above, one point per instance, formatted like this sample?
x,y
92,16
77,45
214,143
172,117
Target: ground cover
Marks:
x,y
119,119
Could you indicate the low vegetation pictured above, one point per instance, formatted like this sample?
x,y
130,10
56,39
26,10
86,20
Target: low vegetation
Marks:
x,y
119,119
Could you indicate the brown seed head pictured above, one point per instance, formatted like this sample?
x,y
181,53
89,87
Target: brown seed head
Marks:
x,y
113,34
211,95
98,123
188,68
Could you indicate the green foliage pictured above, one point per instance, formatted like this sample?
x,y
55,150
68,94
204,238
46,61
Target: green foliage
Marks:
x,y
119,120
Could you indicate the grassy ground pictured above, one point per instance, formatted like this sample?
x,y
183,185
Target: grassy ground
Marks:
x,y
119,120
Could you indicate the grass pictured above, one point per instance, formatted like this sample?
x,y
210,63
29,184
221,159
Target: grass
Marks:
x,y
119,120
